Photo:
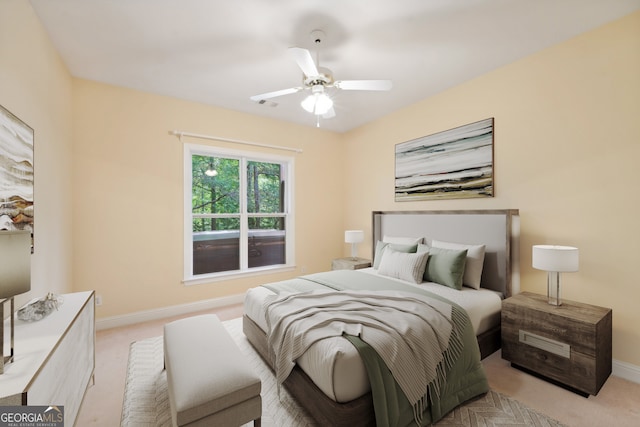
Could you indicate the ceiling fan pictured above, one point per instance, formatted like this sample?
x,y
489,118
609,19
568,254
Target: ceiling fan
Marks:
x,y
316,80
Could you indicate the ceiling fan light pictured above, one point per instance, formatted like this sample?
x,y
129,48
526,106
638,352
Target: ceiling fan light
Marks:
x,y
323,104
309,103
317,103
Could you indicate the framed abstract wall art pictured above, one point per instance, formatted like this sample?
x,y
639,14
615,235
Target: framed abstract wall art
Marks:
x,y
16,173
453,164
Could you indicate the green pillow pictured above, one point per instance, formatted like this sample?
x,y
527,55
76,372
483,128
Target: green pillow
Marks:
x,y
381,246
445,266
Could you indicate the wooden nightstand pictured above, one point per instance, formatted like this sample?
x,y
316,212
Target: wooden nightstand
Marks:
x,y
569,344
350,263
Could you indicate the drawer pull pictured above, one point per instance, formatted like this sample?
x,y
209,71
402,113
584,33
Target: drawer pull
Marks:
x,y
546,344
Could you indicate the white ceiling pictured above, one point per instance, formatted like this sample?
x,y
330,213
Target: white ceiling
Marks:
x,y
220,52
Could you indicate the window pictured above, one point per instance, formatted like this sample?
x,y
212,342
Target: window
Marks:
x,y
238,215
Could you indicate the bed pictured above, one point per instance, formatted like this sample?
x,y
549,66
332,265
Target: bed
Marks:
x,y
330,379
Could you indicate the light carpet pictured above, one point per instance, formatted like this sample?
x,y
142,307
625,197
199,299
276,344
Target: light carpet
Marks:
x,y
146,401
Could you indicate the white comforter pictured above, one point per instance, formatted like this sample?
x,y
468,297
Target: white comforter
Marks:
x,y
421,328
335,365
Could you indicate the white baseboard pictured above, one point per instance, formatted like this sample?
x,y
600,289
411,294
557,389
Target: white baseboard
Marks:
x,y
161,313
626,371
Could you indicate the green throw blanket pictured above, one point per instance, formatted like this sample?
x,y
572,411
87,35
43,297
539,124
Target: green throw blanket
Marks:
x,y
460,379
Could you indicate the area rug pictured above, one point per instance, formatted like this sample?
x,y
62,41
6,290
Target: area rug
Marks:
x,y
146,402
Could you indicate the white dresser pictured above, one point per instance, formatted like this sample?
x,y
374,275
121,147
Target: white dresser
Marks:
x,y
54,358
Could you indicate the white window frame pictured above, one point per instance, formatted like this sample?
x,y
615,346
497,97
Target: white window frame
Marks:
x,y
244,157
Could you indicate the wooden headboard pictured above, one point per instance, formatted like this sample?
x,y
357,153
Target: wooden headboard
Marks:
x,y
498,230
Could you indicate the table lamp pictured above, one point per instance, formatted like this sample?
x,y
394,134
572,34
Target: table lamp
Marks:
x,y
15,278
554,260
354,237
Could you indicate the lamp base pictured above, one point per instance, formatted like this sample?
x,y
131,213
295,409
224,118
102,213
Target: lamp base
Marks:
x,y
5,360
553,288
354,251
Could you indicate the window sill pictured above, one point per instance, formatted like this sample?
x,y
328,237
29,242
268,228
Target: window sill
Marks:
x,y
230,275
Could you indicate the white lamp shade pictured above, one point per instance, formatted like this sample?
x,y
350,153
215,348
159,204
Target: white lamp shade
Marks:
x,y
354,236
555,258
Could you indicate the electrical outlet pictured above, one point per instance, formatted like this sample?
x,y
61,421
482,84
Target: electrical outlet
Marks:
x,y
303,269
98,299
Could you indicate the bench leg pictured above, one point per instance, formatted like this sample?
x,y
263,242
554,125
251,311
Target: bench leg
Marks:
x,y
257,422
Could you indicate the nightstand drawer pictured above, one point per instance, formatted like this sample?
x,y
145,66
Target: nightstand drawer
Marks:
x,y
556,324
570,344
577,371
543,343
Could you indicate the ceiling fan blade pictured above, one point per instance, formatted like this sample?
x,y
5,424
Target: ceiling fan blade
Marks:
x,y
274,94
304,60
364,84
329,114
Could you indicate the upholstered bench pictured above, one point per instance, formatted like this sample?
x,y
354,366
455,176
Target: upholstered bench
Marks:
x,y
209,380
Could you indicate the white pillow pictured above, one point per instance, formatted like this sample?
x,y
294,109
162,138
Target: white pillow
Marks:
x,y
405,266
382,246
402,240
474,263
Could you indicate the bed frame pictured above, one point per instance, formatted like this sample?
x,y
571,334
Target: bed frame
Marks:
x,y
499,230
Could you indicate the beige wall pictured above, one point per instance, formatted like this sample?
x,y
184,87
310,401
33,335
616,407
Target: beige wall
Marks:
x,y
567,146
109,205
128,195
36,87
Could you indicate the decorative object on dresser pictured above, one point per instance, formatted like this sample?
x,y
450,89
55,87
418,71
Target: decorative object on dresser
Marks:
x,y
568,344
15,279
350,263
40,308
553,260
354,237
55,361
